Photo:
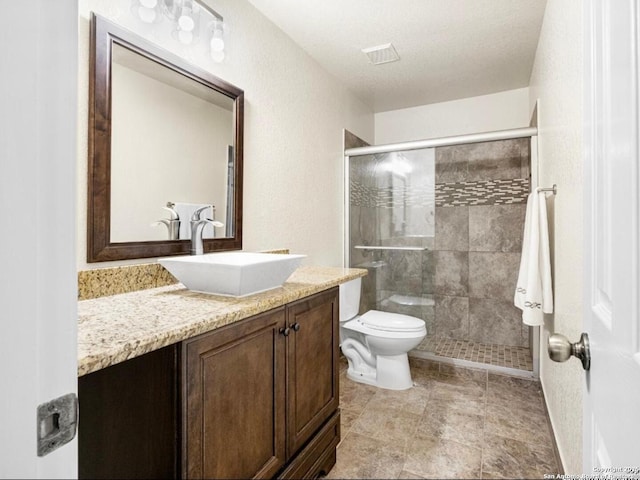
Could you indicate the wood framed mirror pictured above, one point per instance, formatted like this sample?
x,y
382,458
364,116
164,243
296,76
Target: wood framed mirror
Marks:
x,y
162,134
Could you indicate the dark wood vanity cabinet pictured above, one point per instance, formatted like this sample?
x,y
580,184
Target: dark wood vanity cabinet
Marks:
x,y
258,398
258,391
234,407
312,366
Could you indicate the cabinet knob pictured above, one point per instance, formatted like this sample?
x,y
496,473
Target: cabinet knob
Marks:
x,y
295,326
285,331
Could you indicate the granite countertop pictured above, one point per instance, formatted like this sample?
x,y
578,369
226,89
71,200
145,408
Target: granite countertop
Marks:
x,y
120,327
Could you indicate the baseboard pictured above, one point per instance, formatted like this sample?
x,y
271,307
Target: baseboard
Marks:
x,y
556,451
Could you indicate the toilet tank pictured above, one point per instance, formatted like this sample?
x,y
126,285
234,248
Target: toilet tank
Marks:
x,y
350,299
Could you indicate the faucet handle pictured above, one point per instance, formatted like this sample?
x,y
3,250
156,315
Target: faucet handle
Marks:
x,y
196,215
173,215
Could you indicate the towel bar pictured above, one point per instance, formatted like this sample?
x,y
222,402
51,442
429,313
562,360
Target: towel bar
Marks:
x,y
553,189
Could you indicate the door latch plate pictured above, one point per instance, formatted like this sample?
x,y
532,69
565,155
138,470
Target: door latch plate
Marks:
x,y
57,423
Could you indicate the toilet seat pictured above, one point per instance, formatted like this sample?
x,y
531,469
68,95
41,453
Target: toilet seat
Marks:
x,y
387,325
391,322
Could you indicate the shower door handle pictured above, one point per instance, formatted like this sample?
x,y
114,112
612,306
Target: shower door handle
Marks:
x,y
561,349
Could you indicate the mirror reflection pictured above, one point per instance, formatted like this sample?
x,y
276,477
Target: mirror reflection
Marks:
x,y
171,152
165,140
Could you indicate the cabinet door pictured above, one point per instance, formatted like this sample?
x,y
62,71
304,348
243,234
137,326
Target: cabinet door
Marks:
x,y
233,400
312,366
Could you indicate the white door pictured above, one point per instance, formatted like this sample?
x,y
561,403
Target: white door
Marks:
x,y
38,297
612,229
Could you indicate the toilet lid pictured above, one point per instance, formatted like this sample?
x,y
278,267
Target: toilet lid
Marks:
x,y
391,322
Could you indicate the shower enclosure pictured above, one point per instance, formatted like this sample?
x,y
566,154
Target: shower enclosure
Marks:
x,y
440,232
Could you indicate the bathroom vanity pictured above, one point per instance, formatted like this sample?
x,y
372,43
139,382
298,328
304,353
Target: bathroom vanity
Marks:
x,y
174,383
177,384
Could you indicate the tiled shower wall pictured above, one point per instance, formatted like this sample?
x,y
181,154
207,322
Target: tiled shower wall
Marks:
x,y
468,237
481,192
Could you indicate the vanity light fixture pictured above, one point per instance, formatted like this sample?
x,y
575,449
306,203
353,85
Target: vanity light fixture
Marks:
x,y
186,21
188,18
147,11
216,44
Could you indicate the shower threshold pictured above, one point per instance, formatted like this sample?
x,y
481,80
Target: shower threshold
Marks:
x,y
505,356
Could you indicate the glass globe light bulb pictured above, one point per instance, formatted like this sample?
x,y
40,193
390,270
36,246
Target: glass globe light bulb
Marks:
x,y
185,37
147,15
186,23
216,44
217,57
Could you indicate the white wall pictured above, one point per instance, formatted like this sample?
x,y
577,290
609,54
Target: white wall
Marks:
x,y
294,115
37,248
556,81
486,113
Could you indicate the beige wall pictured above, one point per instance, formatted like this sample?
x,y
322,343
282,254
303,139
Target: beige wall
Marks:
x,y
184,159
556,82
294,115
485,113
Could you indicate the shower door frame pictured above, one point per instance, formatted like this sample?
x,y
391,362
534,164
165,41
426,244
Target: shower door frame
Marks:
x,y
526,132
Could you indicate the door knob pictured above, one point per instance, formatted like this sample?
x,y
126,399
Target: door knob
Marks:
x,y
561,349
295,326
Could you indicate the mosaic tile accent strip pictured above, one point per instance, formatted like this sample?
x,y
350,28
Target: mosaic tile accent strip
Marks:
x,y
103,282
487,192
390,197
501,355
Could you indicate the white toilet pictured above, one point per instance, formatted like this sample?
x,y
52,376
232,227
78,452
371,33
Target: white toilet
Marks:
x,y
376,343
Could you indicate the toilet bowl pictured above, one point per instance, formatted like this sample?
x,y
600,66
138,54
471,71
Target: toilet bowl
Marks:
x,y
376,343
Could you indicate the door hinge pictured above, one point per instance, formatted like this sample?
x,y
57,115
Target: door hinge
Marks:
x,y
57,423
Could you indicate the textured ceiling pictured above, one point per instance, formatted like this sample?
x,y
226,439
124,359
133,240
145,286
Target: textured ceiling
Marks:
x,y
448,49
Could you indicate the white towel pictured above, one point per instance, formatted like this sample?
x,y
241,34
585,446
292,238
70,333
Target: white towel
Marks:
x,y
533,291
184,211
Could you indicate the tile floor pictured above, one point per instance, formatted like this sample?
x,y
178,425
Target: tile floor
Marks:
x,y
455,423
502,355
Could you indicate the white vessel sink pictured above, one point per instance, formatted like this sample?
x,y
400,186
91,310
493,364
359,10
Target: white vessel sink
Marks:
x,y
234,274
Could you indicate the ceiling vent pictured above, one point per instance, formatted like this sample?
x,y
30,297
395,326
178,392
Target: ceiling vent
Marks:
x,y
381,54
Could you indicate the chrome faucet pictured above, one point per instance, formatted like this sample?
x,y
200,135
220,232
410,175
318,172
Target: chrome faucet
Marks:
x,y
172,223
173,227
197,229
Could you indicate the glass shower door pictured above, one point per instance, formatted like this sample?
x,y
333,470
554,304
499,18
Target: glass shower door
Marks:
x,y
391,231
